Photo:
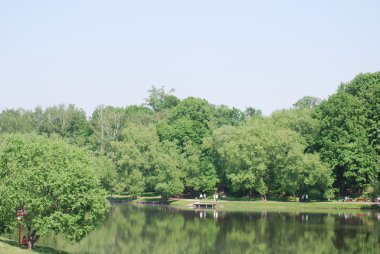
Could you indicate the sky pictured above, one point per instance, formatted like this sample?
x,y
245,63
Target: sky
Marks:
x,y
261,54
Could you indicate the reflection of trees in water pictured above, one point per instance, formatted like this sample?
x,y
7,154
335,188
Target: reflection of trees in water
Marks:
x,y
130,229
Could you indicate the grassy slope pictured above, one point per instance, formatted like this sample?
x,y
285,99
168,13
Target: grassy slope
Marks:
x,y
12,247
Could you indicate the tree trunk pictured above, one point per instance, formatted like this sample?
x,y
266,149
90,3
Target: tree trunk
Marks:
x,y
29,239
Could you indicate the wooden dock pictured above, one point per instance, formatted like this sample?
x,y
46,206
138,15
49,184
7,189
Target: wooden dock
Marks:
x,y
204,205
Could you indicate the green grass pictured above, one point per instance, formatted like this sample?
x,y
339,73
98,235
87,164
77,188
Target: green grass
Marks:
x,y
122,196
12,247
245,206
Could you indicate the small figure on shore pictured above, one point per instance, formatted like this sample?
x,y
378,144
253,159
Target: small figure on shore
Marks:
x,y
306,198
200,196
24,240
216,197
204,196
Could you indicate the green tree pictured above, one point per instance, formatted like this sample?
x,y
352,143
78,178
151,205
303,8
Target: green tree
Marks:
x,y
307,102
56,184
135,183
224,115
67,121
106,172
108,124
301,121
159,163
252,112
188,122
12,121
159,99
366,88
343,142
265,158
200,172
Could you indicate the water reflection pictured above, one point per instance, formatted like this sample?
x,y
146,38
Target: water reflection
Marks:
x,y
130,229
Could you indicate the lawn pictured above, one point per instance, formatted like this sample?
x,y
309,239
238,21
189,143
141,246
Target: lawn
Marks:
x,y
12,247
245,204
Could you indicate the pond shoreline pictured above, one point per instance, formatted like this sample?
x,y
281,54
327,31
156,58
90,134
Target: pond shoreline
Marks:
x,y
252,206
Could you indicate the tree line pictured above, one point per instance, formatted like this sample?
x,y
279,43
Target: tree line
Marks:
x,y
173,146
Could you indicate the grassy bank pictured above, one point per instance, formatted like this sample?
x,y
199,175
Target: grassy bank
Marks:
x,y
244,206
12,247
257,205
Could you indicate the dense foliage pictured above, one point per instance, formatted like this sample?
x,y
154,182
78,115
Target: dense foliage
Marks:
x,y
189,146
54,181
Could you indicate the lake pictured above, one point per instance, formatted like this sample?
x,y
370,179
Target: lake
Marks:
x,y
162,229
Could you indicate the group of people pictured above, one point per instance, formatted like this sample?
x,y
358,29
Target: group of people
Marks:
x,y
347,199
204,196
304,198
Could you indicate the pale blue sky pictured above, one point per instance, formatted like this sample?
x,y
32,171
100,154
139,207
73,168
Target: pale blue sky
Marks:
x,y
264,54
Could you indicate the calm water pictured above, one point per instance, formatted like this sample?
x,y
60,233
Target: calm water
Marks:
x,y
130,229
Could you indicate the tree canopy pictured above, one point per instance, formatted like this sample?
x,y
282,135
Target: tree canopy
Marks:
x,y
189,146
56,184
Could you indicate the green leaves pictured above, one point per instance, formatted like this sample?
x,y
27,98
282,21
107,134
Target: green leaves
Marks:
x,y
54,181
171,145
348,133
265,158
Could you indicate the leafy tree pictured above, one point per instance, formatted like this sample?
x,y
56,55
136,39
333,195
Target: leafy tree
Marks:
x,y
106,172
301,121
107,123
12,121
307,102
139,115
366,88
135,183
343,142
159,99
200,172
136,151
67,121
252,112
56,184
159,163
224,115
188,122
262,157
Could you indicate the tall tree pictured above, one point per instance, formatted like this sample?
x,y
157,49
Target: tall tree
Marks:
x,y
139,150
12,121
189,121
301,121
264,158
199,169
108,123
159,99
224,115
307,102
56,184
343,142
366,87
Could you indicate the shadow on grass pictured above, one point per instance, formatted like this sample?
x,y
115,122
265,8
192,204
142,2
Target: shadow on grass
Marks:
x,y
120,199
232,198
370,206
39,249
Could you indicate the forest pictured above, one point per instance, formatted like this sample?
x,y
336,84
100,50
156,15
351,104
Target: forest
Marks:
x,y
183,147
